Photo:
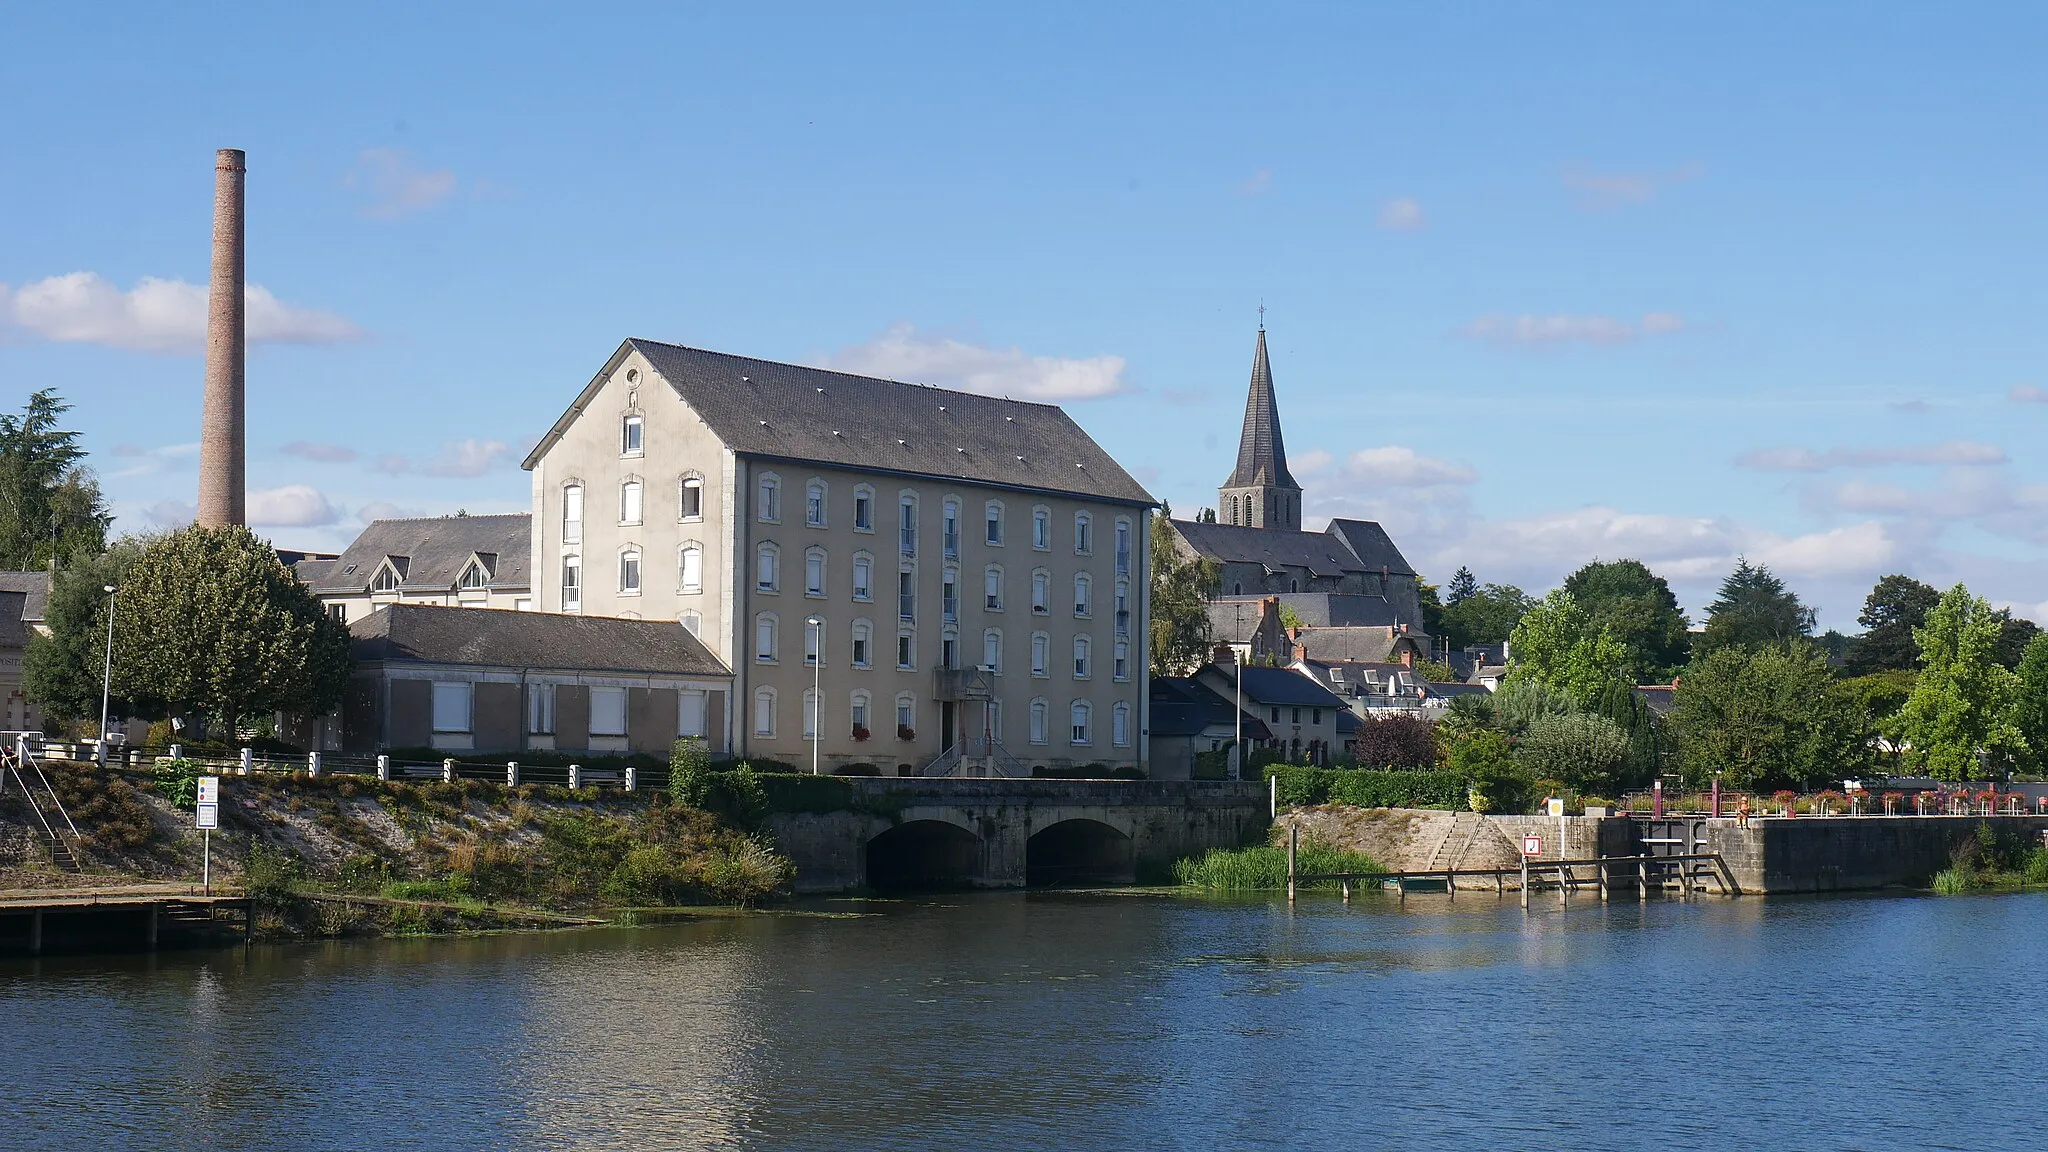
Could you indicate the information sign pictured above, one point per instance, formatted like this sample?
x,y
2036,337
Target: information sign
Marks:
x,y
209,789
1532,845
209,816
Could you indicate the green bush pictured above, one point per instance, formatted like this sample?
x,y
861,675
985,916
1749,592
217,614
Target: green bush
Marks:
x,y
178,780
1955,881
271,878
2037,867
1264,869
1368,788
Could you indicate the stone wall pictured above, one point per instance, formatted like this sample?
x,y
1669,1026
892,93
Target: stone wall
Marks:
x,y
1848,852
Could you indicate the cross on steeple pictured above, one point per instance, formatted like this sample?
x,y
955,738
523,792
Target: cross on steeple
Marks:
x,y
1260,492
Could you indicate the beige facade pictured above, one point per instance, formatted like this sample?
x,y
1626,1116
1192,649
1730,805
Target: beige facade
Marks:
x,y
1030,631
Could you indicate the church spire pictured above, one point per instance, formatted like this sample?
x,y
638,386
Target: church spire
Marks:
x,y
1261,492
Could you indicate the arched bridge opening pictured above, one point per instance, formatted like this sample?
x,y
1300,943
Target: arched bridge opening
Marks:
x,y
924,856
1079,852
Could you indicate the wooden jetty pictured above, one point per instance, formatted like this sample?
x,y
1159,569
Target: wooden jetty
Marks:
x,y
117,917
1687,872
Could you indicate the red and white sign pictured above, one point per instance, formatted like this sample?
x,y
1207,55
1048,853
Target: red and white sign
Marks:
x,y
1532,845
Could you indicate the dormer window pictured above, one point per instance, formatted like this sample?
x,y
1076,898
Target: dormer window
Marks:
x,y
475,576
386,579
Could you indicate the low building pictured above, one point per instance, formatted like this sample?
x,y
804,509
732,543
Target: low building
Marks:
x,y
1369,689
22,598
1301,715
486,680
1188,719
453,561
1394,644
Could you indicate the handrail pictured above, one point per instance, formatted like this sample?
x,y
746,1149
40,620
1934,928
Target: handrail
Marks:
x,y
22,753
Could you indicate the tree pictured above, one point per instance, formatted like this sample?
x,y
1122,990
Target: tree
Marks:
x,y
1461,588
1182,584
211,622
1895,607
63,671
1766,717
1486,616
1626,707
2030,703
2014,634
1432,608
50,506
1754,609
1639,609
1395,742
1559,646
1584,752
1962,705
1206,516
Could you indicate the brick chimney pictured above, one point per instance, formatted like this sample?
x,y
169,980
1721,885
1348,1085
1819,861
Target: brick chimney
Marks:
x,y
223,480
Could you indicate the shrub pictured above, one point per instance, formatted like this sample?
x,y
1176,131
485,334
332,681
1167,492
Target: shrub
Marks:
x,y
1395,742
1493,781
1955,881
744,872
2036,871
1584,751
1369,788
271,878
178,780
1264,868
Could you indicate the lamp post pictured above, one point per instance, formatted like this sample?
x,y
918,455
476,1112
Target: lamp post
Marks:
x,y
107,678
1237,719
817,626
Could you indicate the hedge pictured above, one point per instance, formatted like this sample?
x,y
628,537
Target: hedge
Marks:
x,y
1368,787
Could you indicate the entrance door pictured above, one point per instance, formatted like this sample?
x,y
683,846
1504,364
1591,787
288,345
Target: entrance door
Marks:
x,y
946,724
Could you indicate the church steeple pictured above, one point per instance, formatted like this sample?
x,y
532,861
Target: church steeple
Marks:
x,y
1261,493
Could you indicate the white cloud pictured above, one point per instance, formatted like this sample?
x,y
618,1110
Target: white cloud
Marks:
x,y
1532,331
2027,394
394,186
318,452
456,458
170,513
1403,215
156,315
902,353
1613,189
1954,453
151,461
292,506
1852,548
1391,465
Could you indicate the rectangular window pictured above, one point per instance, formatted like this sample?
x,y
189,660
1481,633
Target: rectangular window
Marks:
x,y
906,595
1041,529
1041,593
629,436
906,650
949,599
860,647
572,584
451,707
339,612
814,505
995,720
1123,608
1084,535
994,524
992,590
540,709
863,512
1040,647
629,572
1122,669
607,711
860,712
572,514
1038,721
863,578
907,525
1082,605
1120,727
770,500
764,638
693,499
764,569
764,714
949,651
992,652
1080,719
906,715
629,502
693,569
814,574
951,531
693,714
811,638
1123,549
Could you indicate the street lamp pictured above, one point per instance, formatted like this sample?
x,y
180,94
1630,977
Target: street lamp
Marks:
x,y
107,679
1237,718
817,625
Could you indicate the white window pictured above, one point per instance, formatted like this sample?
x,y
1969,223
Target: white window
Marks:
x,y
992,650
950,529
607,711
1121,665
906,524
1041,653
693,712
1120,725
693,498
995,720
1041,529
692,564
906,649
629,436
813,636
768,500
540,709
1081,657
1041,592
992,523
810,716
1079,715
863,644
764,712
572,514
814,503
386,580
949,596
765,576
992,589
572,584
863,576
451,707
863,509
1123,607
629,572
861,710
906,716
630,502
814,572
1040,721
906,594
1083,601
475,576
764,638
1123,548
693,622
1084,534
949,649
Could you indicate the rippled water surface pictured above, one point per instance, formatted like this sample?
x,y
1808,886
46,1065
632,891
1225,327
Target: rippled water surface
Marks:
x,y
1071,1022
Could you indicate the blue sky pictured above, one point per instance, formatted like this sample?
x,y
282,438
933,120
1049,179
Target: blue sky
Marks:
x,y
1542,285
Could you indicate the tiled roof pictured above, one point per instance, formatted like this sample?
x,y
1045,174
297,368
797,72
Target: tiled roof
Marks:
x,y
500,638
792,412
35,590
431,553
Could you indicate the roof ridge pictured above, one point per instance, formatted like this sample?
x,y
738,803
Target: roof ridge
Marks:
x,y
840,372
446,516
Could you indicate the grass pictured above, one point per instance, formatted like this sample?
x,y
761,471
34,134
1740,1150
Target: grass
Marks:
x,y
1264,868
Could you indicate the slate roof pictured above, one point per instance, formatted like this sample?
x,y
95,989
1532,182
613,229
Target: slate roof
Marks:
x,y
1275,548
14,631
1278,686
1261,454
313,571
35,590
1661,698
1453,690
1361,645
1371,544
430,553
1359,674
792,412
1180,706
1313,609
501,638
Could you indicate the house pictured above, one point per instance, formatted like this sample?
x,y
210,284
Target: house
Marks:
x,y
1301,716
1369,689
1361,645
1188,719
1252,630
23,596
455,561
1489,676
502,681
962,576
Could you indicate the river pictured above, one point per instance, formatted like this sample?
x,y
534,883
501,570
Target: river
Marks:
x,y
1057,1021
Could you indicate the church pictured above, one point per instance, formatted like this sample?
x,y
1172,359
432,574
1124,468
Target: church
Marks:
x,y
1349,575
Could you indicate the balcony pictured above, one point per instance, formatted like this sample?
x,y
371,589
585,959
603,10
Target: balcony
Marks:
x,y
962,684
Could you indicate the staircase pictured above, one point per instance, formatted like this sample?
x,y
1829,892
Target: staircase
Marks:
x,y
1464,828
17,762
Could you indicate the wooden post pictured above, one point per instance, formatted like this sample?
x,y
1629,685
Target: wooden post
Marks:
x,y
1601,873
1293,838
1401,885
1346,884
1564,886
1642,879
1451,883
1525,883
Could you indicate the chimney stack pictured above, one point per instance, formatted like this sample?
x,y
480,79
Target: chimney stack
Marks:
x,y
223,483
